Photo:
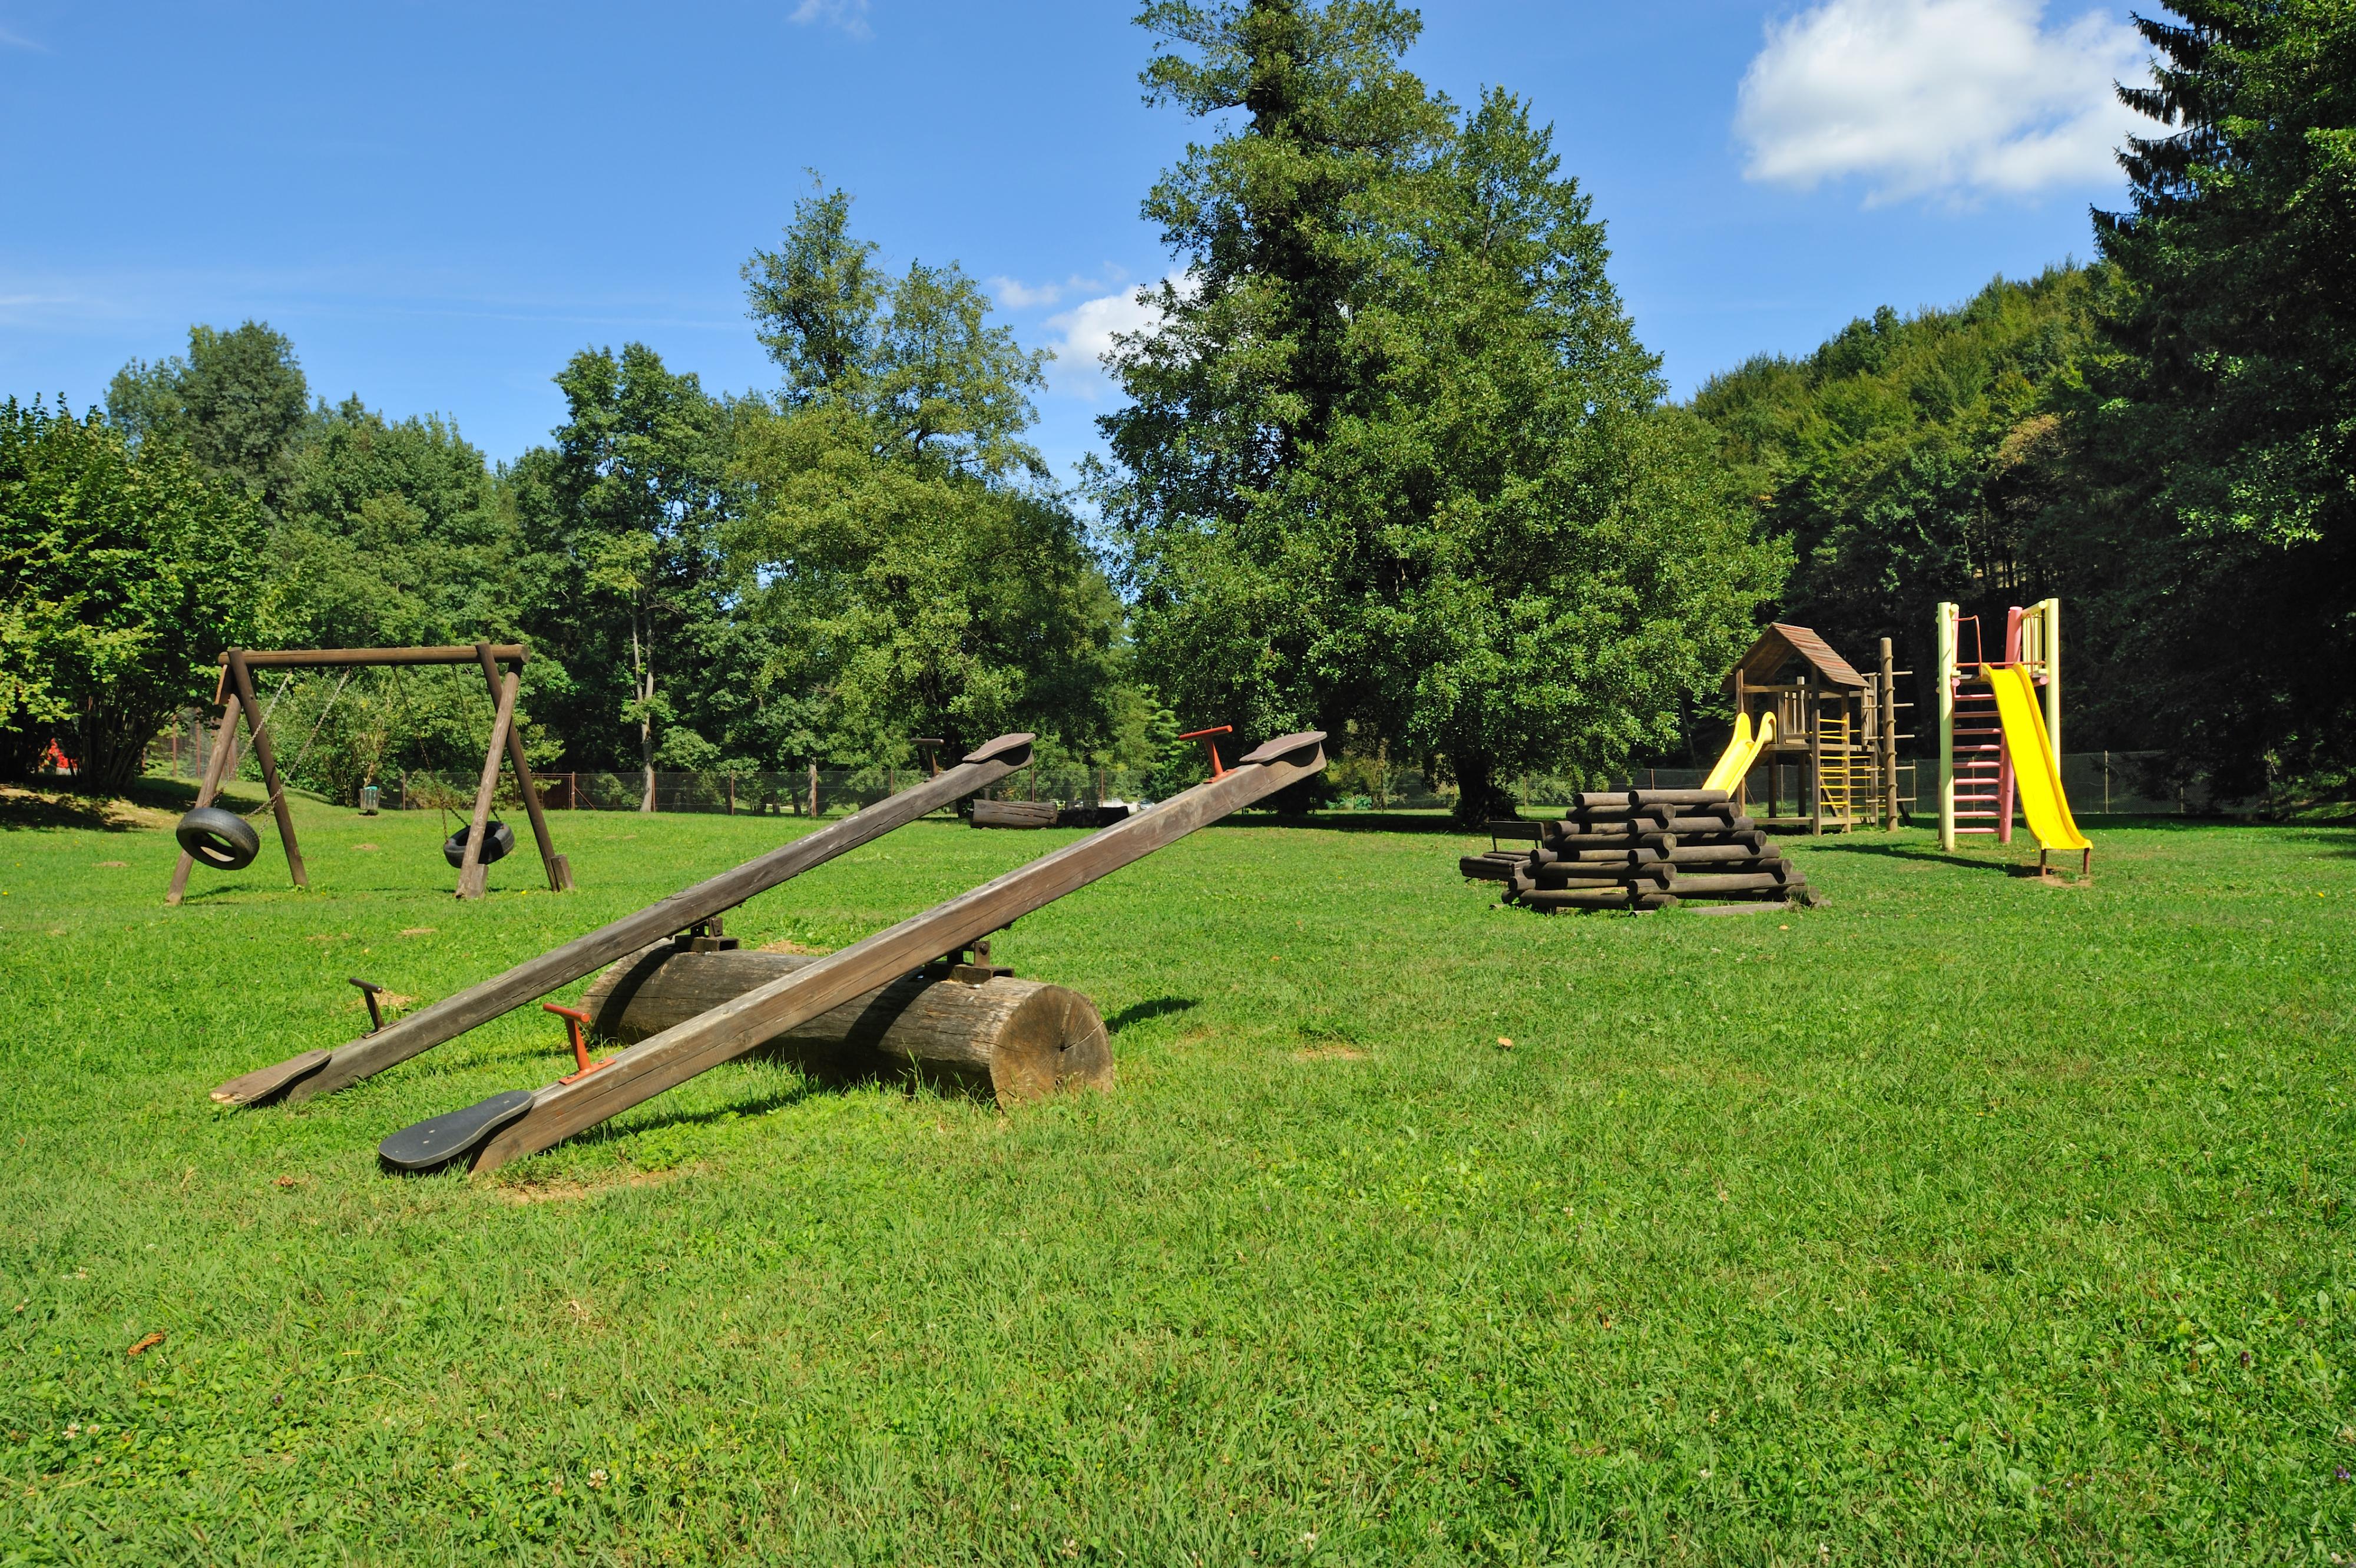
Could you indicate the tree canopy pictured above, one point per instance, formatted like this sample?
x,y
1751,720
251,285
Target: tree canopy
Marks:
x,y
1395,463
2219,452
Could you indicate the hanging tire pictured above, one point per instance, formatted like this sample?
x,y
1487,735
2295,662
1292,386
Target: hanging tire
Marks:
x,y
497,840
223,840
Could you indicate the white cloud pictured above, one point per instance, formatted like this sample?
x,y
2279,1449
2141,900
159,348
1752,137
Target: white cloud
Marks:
x,y
1018,296
1959,98
1087,331
850,15
9,40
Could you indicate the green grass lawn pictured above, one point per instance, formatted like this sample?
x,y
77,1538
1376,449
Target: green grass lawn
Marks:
x,y
1960,1218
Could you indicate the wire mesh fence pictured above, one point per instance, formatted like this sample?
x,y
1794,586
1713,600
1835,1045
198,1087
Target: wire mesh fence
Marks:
x,y
2125,783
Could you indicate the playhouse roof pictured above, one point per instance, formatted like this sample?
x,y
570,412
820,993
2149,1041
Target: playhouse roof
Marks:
x,y
1779,645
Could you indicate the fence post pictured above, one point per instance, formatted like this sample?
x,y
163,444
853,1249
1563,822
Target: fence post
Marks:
x,y
813,791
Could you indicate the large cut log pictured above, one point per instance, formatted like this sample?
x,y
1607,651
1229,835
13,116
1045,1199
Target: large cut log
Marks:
x,y
1493,866
1720,887
1020,1038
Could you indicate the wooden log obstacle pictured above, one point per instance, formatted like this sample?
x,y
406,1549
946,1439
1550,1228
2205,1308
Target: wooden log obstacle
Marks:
x,y
972,1024
1640,849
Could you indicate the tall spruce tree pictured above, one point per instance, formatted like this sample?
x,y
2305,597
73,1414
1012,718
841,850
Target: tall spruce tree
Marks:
x,y
1394,460
2222,475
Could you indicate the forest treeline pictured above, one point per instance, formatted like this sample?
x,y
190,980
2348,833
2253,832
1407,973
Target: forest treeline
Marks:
x,y
1392,461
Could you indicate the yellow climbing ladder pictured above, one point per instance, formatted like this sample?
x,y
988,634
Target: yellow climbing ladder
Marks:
x,y
1843,778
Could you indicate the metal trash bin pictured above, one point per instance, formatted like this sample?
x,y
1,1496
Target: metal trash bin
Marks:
x,y
367,800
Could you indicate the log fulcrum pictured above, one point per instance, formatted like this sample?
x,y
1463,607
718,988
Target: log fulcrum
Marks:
x,y
1020,1038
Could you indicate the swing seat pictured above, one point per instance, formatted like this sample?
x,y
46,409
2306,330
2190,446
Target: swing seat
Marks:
x,y
221,839
497,840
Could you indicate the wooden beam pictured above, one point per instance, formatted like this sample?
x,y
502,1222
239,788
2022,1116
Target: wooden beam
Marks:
x,y
241,678
329,658
471,868
678,1054
453,1016
559,870
217,768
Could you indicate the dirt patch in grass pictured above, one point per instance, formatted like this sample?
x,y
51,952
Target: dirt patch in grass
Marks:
x,y
1329,1054
787,944
562,1189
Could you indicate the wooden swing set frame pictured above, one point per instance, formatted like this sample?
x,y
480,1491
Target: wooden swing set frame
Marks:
x,y
502,666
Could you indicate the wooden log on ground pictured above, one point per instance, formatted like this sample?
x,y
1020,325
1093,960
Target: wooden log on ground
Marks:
x,y
1490,867
1762,866
1014,813
1695,827
1617,815
1720,887
1019,1038
1588,898
1751,839
1712,854
1561,839
1635,856
1566,875
1600,800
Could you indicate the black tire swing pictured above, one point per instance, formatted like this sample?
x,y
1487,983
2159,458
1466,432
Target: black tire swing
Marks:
x,y
497,840
219,837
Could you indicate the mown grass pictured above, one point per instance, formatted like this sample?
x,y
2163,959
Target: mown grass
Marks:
x,y
1960,1218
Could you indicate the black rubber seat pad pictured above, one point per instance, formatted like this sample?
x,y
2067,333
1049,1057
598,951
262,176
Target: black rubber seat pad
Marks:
x,y
438,1139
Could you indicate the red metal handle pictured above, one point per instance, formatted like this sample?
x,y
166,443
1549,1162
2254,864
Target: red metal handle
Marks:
x,y
575,1021
1219,769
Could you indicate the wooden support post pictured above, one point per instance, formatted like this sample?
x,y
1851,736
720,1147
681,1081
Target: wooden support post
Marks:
x,y
218,766
1742,706
559,869
242,679
471,869
1815,762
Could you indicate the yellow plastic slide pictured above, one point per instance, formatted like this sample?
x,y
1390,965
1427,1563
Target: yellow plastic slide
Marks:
x,y
2036,777
1741,751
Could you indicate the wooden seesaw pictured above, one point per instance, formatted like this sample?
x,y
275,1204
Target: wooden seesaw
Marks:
x,y
524,1122
319,1072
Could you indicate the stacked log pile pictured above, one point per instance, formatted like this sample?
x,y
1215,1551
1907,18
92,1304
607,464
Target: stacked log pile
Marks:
x,y
1644,849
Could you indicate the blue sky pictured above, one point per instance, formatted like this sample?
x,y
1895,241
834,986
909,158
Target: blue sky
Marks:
x,y
439,202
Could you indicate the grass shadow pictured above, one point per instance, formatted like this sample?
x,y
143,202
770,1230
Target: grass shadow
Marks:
x,y
1146,1012
1912,852
1354,823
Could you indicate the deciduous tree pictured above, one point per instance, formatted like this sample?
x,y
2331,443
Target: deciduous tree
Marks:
x,y
1394,460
